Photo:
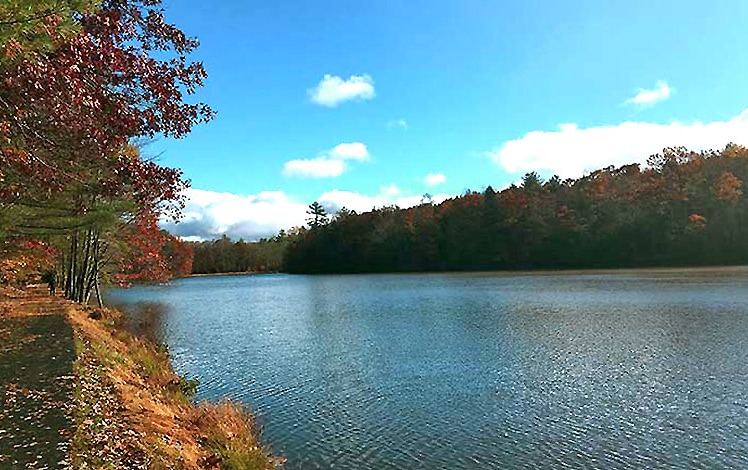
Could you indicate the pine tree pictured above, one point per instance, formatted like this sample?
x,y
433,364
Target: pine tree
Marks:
x,y
318,215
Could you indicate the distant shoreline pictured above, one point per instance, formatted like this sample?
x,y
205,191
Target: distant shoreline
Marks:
x,y
244,273
518,272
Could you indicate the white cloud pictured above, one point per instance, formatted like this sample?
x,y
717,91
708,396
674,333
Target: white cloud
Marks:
x,y
209,214
646,98
392,190
314,168
335,199
571,151
351,151
401,123
333,90
330,164
434,179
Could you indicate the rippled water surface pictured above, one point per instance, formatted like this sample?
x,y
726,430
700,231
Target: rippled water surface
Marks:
x,y
630,369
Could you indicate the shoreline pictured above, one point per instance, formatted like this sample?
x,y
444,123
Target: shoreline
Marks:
x,y
245,273
500,272
127,406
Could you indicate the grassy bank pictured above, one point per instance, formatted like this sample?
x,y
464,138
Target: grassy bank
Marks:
x,y
129,409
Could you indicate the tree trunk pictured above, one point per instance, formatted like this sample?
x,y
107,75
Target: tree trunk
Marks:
x,y
98,293
71,267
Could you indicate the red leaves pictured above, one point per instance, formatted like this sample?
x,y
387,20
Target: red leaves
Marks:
x,y
68,113
96,91
179,256
152,255
22,260
142,261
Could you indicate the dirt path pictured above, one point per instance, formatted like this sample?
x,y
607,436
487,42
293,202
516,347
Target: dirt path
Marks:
x,y
37,352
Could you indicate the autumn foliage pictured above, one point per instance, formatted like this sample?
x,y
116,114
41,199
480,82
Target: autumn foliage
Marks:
x,y
152,255
80,81
682,208
22,260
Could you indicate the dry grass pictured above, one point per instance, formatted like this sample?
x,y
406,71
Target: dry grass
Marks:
x,y
172,432
231,434
131,410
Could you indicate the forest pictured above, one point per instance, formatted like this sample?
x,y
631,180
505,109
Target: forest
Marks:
x,y
683,208
225,256
82,85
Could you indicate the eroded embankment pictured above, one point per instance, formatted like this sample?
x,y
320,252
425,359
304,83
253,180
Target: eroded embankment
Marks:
x,y
79,392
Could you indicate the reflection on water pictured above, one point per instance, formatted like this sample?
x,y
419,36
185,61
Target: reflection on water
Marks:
x,y
144,319
630,369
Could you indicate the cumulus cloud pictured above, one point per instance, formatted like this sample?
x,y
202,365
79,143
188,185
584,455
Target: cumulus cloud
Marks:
x,y
571,151
351,151
645,98
400,123
314,168
333,90
330,164
434,179
209,214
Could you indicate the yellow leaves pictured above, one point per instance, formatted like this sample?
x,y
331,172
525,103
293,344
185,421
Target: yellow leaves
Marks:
x,y
735,151
727,188
5,131
131,152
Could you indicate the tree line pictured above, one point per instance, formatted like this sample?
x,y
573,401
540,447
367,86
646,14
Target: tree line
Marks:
x,y
682,208
226,256
266,255
81,83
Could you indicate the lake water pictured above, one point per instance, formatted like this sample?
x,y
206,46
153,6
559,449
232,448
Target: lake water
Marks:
x,y
628,369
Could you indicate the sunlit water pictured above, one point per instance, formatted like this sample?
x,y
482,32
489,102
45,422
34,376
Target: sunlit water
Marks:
x,y
631,369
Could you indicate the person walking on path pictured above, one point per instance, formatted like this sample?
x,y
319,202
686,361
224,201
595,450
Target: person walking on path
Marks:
x,y
50,277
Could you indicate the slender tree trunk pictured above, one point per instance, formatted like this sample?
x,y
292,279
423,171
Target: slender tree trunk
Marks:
x,y
81,265
60,269
70,275
98,293
92,275
82,284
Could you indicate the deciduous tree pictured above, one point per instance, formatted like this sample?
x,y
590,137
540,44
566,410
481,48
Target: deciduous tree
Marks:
x,y
110,73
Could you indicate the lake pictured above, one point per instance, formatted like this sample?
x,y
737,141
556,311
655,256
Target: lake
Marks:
x,y
610,370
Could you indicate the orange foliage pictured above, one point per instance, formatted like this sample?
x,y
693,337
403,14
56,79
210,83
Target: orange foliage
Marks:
x,y
153,255
24,260
696,222
727,187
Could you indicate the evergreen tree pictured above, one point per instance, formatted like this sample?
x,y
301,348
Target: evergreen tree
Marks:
x,y
318,215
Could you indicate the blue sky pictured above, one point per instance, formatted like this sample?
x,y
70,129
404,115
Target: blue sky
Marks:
x,y
472,93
